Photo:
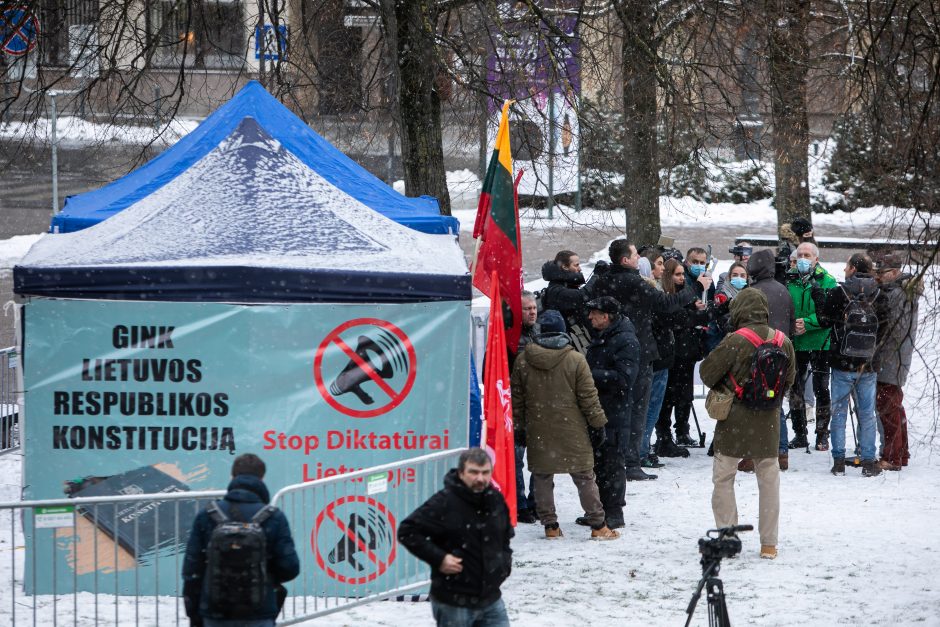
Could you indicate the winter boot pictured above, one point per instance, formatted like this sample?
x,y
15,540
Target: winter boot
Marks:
x,y
527,516
798,418
583,521
683,439
604,533
553,532
838,466
870,468
637,474
768,552
651,461
665,447
783,460
746,465
822,440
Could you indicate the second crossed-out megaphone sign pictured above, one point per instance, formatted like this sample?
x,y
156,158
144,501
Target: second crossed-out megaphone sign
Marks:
x,y
365,367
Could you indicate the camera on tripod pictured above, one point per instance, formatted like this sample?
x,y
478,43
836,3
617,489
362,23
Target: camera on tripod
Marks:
x,y
718,544
725,544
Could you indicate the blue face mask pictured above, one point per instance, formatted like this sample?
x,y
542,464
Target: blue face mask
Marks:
x,y
738,282
697,270
804,265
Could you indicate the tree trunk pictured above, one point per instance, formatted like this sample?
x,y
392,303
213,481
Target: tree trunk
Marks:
x,y
411,23
786,20
640,170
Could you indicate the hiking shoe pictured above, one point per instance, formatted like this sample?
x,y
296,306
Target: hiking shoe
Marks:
x,y
768,552
685,440
665,447
553,531
527,516
636,474
651,461
783,460
799,442
838,466
583,521
746,465
870,468
604,533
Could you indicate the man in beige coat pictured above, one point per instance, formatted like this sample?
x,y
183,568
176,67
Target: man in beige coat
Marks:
x,y
747,433
555,406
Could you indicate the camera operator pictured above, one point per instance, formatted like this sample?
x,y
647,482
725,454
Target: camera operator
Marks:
x,y
746,432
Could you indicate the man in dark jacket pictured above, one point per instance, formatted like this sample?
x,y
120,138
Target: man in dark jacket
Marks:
x,y
746,433
564,296
247,495
463,533
852,373
525,505
761,268
640,301
896,308
613,358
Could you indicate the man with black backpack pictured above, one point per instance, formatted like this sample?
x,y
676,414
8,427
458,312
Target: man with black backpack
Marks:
x,y
757,363
849,311
239,553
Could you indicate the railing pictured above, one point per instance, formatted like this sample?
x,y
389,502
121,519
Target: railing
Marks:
x,y
9,409
60,563
352,530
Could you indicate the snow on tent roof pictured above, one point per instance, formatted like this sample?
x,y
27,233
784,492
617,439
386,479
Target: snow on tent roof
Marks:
x,y
249,222
84,210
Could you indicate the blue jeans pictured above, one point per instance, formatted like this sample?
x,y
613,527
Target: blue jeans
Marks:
x,y
863,387
657,393
522,502
493,615
784,446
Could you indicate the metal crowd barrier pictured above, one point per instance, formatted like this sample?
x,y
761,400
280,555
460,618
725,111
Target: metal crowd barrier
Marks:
x,y
76,573
9,409
373,498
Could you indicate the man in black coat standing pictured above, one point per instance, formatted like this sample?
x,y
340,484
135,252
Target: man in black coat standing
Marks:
x,y
613,357
463,533
640,301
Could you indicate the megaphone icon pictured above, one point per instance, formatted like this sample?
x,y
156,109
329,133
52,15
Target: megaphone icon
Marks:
x,y
352,376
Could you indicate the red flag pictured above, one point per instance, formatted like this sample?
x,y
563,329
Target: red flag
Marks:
x,y
496,229
497,407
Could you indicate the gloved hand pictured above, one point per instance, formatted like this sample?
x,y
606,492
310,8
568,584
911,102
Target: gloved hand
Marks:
x,y
598,436
518,436
601,267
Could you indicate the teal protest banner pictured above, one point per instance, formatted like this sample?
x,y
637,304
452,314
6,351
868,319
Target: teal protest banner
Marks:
x,y
132,397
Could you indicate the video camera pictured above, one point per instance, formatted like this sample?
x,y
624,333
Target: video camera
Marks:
x,y
725,544
741,251
782,260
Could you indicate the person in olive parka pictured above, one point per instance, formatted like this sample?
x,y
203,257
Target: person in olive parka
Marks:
x,y
746,433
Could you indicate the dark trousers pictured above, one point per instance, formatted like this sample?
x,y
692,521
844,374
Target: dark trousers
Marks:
x,y
889,403
633,433
679,395
611,475
522,501
818,361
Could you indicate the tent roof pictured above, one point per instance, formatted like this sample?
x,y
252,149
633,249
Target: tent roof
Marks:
x,y
248,222
84,210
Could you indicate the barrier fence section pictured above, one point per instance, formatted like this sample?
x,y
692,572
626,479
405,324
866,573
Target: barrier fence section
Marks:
x,y
345,529
9,409
67,537
352,556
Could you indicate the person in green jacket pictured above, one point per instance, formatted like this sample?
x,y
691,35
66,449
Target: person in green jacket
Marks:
x,y
811,342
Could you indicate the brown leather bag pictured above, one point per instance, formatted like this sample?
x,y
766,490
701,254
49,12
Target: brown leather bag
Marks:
x,y
718,402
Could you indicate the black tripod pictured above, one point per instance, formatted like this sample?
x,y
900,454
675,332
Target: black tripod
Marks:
x,y
713,549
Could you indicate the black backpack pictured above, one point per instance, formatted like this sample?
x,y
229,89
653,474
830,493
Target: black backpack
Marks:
x,y
237,563
860,328
764,387
579,332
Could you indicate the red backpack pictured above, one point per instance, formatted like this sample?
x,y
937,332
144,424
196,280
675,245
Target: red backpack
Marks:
x,y
764,388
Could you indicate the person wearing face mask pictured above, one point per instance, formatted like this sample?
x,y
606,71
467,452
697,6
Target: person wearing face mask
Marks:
x,y
736,279
666,346
811,342
741,253
696,262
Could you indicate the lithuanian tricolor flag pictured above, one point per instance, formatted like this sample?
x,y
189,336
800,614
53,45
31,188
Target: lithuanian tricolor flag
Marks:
x,y
497,232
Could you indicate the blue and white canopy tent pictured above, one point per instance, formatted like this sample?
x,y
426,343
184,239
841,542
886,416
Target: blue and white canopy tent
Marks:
x,y
293,134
